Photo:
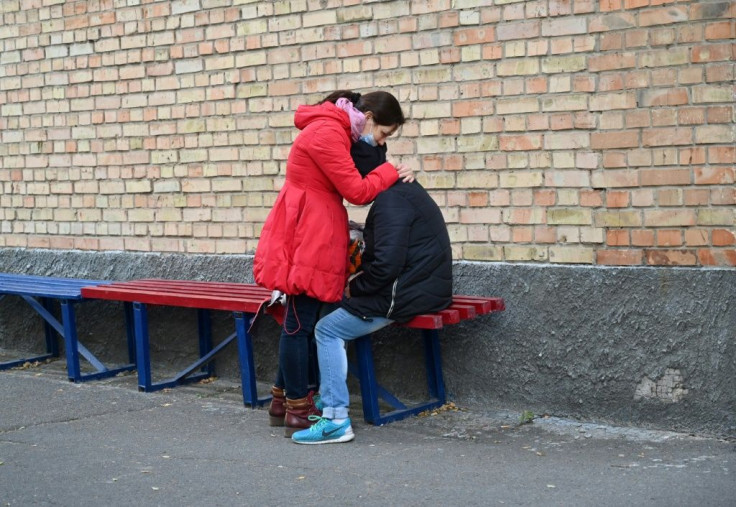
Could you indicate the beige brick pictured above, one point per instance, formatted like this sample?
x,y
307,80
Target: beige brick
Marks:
x,y
482,252
525,179
477,143
572,216
477,179
609,101
566,178
517,105
518,67
664,58
184,6
164,156
525,253
567,141
561,64
436,145
669,218
720,134
195,185
571,255
141,215
437,180
711,94
618,218
711,217
575,102
442,110
138,186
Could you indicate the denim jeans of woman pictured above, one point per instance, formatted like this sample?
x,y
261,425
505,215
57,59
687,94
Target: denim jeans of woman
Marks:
x,y
332,333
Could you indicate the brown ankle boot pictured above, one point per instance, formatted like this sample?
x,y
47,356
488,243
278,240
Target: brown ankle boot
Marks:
x,y
297,414
277,408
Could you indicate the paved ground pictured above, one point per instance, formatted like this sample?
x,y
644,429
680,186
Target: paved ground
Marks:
x,y
104,443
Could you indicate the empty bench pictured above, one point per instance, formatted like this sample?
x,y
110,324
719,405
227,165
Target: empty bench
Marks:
x,y
41,293
243,300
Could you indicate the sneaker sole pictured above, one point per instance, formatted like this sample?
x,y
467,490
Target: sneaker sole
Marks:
x,y
339,440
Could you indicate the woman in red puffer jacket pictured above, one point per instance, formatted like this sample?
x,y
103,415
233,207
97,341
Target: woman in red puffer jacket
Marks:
x,y
302,251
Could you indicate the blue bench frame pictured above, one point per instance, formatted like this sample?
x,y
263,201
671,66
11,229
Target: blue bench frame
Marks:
x,y
245,301
462,308
40,292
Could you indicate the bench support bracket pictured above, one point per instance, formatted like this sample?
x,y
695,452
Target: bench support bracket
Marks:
x,y
372,391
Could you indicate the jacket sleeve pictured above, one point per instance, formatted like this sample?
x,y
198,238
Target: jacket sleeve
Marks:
x,y
392,223
332,156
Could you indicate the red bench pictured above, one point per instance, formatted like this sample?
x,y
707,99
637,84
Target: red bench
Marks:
x,y
462,308
246,301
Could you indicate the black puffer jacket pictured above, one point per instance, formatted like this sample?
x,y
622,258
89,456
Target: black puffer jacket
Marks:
x,y
407,262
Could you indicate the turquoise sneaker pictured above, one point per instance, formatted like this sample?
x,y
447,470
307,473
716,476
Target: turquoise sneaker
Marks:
x,y
324,431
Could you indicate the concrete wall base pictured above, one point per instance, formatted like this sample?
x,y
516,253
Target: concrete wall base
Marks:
x,y
651,347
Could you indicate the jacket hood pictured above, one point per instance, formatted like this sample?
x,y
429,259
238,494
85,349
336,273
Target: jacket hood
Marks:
x,y
326,111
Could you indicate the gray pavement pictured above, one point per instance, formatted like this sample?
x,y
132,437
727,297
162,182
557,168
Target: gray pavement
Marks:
x,y
105,443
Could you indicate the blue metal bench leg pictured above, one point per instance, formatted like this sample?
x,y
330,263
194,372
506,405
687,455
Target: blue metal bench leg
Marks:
x,y
367,377
247,365
204,326
74,348
143,355
52,342
71,342
371,391
130,331
435,381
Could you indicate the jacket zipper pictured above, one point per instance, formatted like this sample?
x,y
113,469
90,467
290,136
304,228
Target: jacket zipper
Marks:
x,y
393,298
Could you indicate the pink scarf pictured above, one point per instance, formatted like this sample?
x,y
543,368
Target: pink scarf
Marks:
x,y
357,119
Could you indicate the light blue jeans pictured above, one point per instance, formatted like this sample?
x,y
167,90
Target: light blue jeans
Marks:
x,y
332,332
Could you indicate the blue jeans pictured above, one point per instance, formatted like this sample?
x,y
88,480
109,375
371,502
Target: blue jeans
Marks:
x,y
332,332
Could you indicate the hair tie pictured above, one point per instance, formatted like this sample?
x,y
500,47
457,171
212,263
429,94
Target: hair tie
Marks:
x,y
357,119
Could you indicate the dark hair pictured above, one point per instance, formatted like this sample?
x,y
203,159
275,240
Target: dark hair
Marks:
x,y
384,106
353,97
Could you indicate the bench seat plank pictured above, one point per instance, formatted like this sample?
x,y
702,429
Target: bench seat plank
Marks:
x,y
39,292
206,295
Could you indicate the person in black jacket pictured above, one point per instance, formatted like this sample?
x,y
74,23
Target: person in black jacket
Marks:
x,y
406,270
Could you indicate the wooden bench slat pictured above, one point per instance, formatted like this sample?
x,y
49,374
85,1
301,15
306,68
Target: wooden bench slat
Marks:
x,y
482,305
428,321
244,303
465,311
198,287
213,292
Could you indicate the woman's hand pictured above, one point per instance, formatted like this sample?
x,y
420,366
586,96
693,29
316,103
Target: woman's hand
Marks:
x,y
406,173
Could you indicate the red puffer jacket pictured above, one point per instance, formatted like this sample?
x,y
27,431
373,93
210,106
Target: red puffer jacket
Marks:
x,y
303,244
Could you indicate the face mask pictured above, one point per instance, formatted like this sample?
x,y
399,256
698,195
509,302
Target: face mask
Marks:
x,y
369,139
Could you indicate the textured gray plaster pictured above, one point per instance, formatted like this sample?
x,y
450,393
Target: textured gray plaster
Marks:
x,y
652,347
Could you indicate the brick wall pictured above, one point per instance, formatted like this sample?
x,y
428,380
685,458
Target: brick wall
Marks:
x,y
562,131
